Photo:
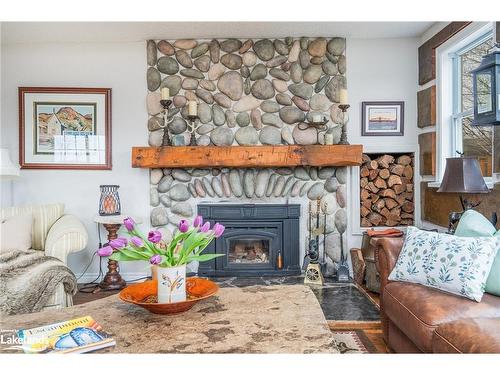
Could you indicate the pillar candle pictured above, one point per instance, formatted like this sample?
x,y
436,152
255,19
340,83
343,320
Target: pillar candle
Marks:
x,y
192,108
165,93
343,96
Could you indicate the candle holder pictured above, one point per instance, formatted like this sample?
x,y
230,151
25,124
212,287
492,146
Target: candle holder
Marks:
x,y
192,128
165,103
343,136
320,125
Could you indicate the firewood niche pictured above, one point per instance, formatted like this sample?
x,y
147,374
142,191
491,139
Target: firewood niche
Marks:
x,y
387,190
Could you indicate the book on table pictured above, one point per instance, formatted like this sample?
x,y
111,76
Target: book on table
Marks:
x,y
78,335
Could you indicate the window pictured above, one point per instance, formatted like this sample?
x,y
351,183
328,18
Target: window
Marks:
x,y
474,141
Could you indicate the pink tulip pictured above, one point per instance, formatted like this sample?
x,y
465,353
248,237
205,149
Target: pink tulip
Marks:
x,y
136,241
155,259
154,236
205,227
218,230
105,251
118,243
183,226
129,224
198,221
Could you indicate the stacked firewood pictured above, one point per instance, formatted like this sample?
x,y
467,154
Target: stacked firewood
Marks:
x,y
387,190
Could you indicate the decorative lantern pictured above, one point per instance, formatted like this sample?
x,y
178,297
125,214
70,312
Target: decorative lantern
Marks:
x,y
109,204
486,88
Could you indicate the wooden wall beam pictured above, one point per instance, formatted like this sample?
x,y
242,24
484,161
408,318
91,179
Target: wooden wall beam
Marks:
x,y
436,206
426,52
427,144
246,156
426,107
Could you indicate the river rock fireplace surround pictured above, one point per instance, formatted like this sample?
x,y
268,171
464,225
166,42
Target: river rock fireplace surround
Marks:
x,y
258,147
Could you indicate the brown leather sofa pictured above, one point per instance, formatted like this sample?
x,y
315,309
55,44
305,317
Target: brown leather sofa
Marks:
x,y
418,319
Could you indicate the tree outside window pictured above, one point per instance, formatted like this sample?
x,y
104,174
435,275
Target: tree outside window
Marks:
x,y
472,141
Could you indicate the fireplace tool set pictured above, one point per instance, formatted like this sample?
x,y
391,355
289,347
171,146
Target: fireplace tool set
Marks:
x,y
313,266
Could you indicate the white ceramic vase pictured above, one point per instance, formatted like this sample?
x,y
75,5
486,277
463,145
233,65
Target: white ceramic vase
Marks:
x,y
171,284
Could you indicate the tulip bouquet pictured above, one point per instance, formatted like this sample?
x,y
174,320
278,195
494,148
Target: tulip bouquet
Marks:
x,y
186,245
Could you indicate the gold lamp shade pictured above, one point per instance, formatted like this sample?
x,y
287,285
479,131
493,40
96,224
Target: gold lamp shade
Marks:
x,y
463,175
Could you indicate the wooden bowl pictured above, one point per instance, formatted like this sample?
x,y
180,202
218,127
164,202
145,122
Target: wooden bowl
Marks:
x,y
197,289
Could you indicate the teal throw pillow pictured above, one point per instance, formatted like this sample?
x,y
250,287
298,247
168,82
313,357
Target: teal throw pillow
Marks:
x,y
473,224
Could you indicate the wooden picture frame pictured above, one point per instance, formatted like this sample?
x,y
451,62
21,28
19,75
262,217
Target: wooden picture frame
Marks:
x,y
65,128
382,118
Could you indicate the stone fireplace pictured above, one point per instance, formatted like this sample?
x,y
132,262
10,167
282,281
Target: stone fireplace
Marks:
x,y
255,200
262,93
259,240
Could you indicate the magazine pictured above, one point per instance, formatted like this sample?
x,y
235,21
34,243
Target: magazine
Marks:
x,y
78,335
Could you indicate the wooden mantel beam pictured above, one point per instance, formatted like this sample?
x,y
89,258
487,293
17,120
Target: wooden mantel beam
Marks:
x,y
246,156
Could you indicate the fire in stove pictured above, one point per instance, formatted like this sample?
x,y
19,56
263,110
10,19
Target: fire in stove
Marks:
x,y
249,251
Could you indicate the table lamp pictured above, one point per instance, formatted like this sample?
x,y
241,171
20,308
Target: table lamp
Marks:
x,y
462,175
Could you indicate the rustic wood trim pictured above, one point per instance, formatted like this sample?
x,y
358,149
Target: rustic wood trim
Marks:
x,y
426,52
246,156
353,324
69,90
427,144
426,105
435,206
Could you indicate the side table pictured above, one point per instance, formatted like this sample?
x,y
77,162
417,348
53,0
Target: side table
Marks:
x,y
112,280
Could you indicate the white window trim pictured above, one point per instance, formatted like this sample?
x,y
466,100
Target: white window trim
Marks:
x,y
445,141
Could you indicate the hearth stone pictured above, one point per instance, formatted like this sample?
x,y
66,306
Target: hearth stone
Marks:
x,y
165,184
184,59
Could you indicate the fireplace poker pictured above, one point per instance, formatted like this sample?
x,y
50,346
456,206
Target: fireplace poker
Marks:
x,y
325,207
318,208
310,220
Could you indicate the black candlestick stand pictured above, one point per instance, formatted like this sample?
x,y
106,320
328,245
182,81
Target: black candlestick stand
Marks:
x,y
166,137
192,120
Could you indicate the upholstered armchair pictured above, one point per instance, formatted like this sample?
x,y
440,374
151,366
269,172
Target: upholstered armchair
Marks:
x,y
57,235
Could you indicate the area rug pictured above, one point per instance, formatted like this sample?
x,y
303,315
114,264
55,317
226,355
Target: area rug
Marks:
x,y
352,342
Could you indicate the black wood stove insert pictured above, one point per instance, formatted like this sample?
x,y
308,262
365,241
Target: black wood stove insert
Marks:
x,y
259,240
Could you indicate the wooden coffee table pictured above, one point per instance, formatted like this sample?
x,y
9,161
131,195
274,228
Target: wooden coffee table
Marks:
x,y
255,319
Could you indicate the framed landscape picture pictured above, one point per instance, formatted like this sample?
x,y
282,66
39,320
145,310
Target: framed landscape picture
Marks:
x,y
64,128
382,118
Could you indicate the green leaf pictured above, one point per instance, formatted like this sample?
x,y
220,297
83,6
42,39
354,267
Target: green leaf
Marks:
x,y
203,257
134,254
120,257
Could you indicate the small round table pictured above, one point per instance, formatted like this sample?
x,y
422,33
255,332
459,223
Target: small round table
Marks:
x,y
112,280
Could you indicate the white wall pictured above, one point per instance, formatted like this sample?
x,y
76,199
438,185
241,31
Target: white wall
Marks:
x,y
378,69
118,66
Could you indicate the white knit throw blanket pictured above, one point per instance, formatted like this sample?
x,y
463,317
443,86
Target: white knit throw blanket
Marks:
x,y
29,278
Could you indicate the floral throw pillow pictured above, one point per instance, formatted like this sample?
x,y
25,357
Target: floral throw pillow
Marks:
x,y
458,265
